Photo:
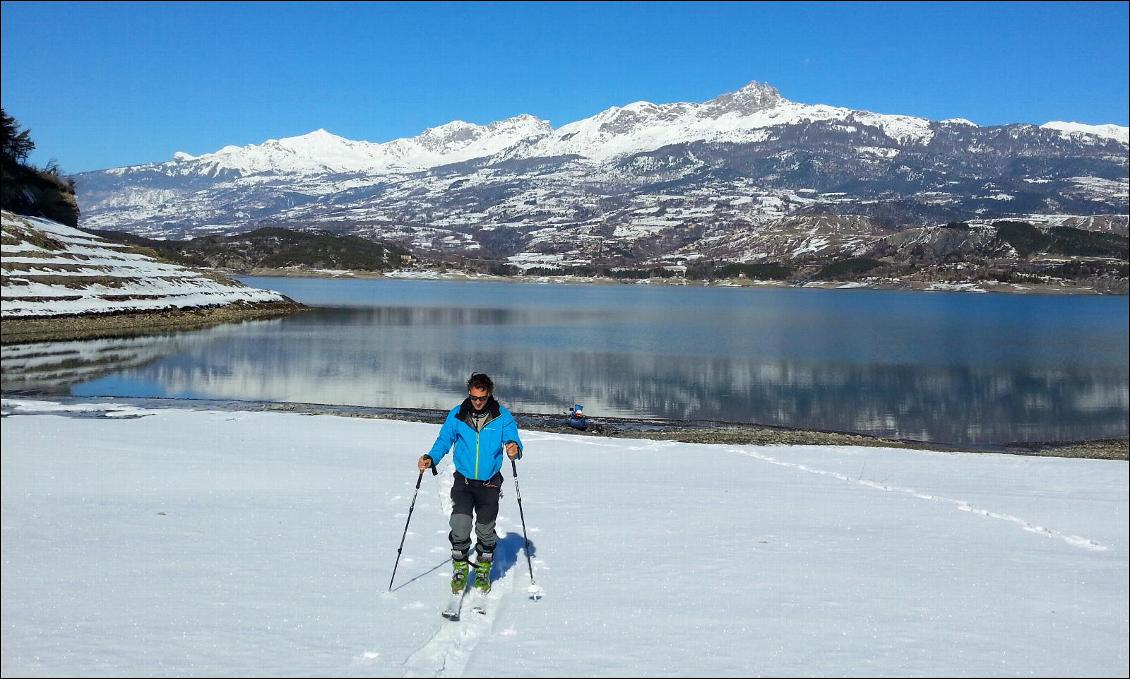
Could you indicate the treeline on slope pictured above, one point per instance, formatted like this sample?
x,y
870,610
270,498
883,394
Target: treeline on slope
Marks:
x,y
1061,240
272,248
26,189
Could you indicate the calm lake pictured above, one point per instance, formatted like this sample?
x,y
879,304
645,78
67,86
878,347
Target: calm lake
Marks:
x,y
956,368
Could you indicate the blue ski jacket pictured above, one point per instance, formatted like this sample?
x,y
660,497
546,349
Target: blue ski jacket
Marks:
x,y
478,454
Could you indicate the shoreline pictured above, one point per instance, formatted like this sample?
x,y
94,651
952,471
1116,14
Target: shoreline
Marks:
x,y
980,287
128,323
17,330
681,431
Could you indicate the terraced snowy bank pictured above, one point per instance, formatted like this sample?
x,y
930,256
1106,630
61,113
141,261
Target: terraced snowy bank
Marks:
x,y
59,282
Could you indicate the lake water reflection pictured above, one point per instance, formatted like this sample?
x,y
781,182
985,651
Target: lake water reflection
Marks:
x,y
948,367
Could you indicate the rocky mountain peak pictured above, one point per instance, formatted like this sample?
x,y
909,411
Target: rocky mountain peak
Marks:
x,y
456,132
752,98
524,122
459,134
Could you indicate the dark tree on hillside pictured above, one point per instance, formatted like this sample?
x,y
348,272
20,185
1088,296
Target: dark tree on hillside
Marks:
x,y
16,144
27,190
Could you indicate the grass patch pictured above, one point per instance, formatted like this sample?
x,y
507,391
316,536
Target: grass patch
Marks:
x,y
217,277
143,251
53,266
24,234
37,254
90,326
73,282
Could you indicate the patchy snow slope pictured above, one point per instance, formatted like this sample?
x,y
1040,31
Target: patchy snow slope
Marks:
x,y
55,270
1119,133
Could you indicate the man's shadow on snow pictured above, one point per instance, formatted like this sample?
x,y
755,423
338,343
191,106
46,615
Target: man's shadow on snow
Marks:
x,y
507,551
433,569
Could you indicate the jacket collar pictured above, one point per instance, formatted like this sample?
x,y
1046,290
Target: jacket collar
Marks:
x,y
492,409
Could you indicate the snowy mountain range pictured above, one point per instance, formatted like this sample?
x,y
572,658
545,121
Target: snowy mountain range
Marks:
x,y
747,176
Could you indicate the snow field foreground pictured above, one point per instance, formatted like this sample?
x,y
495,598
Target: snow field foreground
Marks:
x,y
171,542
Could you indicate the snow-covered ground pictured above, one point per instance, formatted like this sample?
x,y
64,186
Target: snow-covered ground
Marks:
x,y
172,542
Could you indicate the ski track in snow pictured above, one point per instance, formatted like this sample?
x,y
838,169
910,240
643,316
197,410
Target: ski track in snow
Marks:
x,y
447,653
962,505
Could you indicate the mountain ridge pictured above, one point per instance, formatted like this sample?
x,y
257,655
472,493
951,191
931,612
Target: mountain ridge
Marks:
x,y
729,178
750,100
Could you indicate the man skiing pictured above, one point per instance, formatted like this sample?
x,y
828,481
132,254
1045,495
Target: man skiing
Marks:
x,y
481,431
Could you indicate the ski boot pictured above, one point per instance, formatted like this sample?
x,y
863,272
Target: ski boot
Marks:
x,y
482,576
459,576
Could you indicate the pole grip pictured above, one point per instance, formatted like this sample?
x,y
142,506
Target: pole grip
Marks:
x,y
431,466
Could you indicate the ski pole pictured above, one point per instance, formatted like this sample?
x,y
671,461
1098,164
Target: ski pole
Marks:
x,y
533,589
410,508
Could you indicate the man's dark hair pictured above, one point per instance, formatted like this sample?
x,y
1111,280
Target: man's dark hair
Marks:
x,y
480,381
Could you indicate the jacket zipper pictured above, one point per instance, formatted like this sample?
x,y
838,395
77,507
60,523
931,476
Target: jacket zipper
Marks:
x,y
477,435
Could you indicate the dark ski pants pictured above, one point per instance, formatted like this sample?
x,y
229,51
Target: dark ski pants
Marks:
x,y
480,497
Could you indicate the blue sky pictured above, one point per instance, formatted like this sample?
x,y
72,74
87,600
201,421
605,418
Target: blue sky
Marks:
x,y
105,84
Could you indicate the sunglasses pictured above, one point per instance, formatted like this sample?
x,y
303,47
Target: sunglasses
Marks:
x,y
478,398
